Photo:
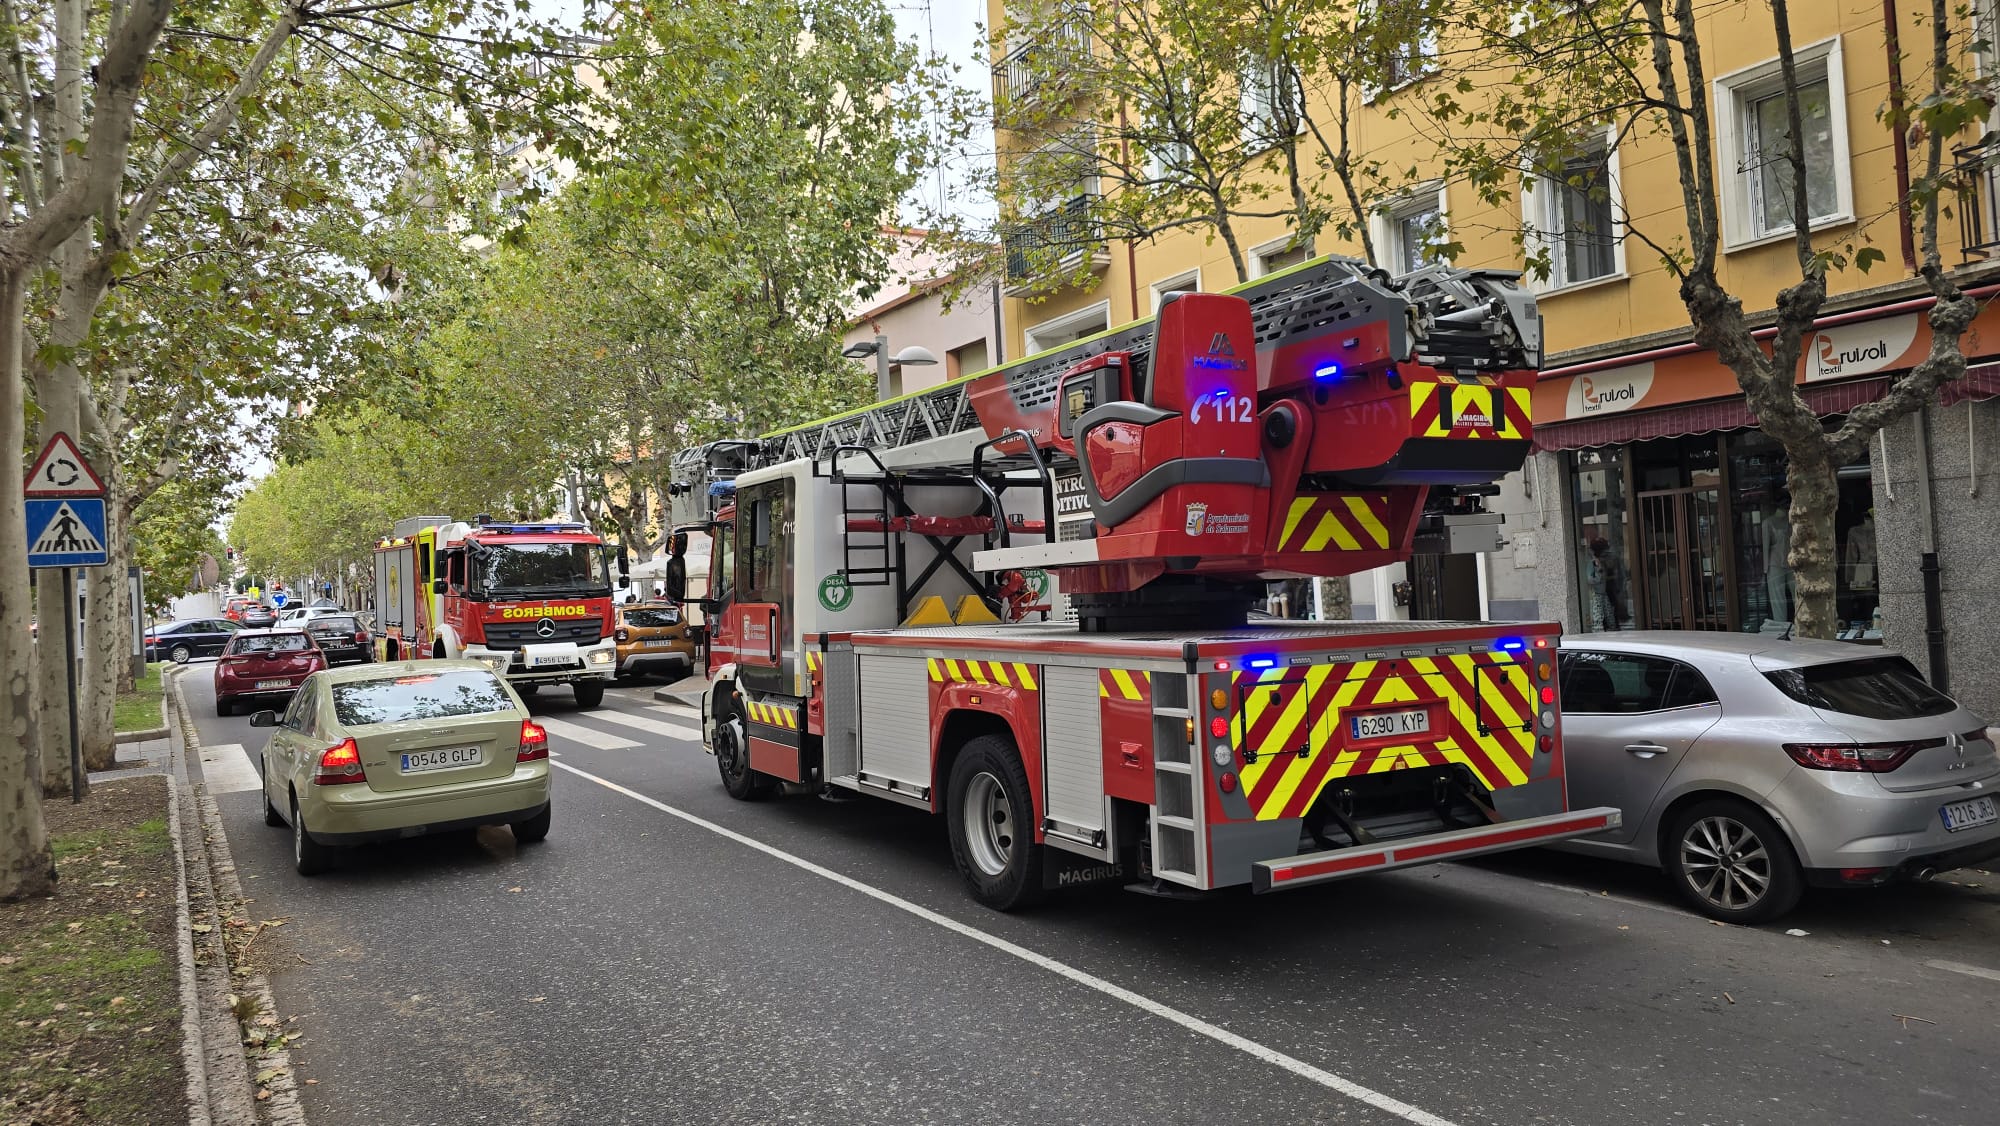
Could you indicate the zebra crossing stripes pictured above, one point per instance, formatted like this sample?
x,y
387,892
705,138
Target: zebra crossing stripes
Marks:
x,y
588,736
650,726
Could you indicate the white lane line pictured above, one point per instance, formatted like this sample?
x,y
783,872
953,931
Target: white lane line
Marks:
x,y
651,726
588,736
226,769
1194,1024
1962,968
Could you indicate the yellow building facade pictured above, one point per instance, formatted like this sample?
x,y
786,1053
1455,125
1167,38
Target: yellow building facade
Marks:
x,y
1652,501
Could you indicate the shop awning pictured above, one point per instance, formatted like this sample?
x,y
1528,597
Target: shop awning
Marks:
x,y
1981,382
1699,418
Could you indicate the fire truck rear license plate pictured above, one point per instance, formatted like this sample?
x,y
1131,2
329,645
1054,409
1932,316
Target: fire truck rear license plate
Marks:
x,y
1380,725
441,758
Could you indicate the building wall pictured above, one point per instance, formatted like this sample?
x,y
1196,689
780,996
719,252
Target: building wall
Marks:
x,y
966,329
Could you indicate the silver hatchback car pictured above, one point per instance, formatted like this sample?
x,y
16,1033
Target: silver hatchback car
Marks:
x,y
1750,767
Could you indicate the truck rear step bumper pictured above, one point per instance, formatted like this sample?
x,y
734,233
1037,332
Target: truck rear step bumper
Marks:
x,y
1361,860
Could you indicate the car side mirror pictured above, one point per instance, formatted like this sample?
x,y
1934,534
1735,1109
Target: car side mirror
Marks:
x,y
624,565
265,718
440,586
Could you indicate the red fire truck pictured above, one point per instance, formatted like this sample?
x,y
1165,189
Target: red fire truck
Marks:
x,y
531,600
884,621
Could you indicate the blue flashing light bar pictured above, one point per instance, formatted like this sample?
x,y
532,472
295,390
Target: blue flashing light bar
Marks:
x,y
1510,644
1327,371
1260,662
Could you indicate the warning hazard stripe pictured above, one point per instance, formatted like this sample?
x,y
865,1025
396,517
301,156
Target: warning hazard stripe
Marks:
x,y
1338,521
773,715
1286,710
1004,674
1500,412
1124,684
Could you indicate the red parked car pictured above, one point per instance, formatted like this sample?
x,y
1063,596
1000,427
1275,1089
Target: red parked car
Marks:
x,y
264,664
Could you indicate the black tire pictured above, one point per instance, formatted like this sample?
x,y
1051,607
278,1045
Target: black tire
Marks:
x,y
526,690
732,760
1002,866
224,706
180,654
589,693
534,829
308,856
1754,875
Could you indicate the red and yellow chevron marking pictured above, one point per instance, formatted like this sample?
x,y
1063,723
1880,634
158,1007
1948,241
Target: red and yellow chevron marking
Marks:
x,y
1286,710
1481,409
1123,684
813,660
1341,521
773,715
1005,674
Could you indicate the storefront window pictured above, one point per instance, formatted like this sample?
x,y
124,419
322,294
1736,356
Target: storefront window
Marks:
x,y
1603,571
1761,504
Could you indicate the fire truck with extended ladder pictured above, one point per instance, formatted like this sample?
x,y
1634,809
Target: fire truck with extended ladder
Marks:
x,y
881,622
530,599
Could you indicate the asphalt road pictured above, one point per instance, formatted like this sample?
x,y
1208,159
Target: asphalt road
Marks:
x,y
806,961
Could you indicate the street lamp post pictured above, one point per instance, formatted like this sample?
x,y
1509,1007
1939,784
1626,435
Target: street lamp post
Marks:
x,y
916,355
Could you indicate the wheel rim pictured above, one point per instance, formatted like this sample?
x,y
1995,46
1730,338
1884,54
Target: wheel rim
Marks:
x,y
729,748
989,824
1726,863
180,656
298,836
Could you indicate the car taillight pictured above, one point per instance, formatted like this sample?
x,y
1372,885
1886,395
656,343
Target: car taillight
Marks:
x,y
339,764
622,634
1859,758
361,638
534,742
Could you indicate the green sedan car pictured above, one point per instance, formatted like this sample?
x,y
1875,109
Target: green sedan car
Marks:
x,y
379,752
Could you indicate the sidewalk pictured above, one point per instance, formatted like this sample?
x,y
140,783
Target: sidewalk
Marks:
x,y
686,692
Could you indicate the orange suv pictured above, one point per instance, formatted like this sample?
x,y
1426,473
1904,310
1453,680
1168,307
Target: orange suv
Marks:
x,y
653,637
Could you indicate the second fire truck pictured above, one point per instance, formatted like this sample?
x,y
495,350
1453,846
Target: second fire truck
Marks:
x,y
1022,600
532,600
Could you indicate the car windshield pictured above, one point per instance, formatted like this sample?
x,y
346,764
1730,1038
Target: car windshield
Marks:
x,y
429,695
579,569
651,617
1872,688
335,623
271,643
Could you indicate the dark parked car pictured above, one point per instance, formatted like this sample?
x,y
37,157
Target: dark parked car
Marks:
x,y
342,638
181,642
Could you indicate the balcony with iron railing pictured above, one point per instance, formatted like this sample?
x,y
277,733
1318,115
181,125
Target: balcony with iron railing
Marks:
x,y
1023,71
1976,169
1056,241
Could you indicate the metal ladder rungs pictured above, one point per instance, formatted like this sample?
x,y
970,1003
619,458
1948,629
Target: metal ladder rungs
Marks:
x,y
1172,767
1168,820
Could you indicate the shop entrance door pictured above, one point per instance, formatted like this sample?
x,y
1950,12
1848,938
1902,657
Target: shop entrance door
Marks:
x,y
1682,585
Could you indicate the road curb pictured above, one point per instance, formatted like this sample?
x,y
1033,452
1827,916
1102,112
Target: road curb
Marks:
x,y
193,1065
689,697
213,891
124,737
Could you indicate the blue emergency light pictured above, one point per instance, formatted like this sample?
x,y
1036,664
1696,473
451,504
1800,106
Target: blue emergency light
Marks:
x,y
1327,371
1260,662
1510,644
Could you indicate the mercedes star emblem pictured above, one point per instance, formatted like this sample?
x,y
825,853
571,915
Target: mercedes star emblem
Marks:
x,y
545,628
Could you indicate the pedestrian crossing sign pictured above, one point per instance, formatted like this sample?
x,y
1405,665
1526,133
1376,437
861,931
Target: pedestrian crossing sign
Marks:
x,y
66,532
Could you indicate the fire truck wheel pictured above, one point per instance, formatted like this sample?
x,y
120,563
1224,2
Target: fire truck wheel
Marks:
x,y
732,760
989,812
1731,862
589,693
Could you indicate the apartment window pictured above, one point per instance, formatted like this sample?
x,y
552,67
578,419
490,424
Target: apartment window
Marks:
x,y
1754,132
1280,254
1407,39
1571,214
1069,328
1409,231
1189,282
1267,106
966,359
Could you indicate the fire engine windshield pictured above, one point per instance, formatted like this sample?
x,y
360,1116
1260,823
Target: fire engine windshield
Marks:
x,y
581,570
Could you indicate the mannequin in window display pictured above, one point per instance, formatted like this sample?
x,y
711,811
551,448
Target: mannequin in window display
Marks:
x,y
1776,539
1859,554
1606,580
